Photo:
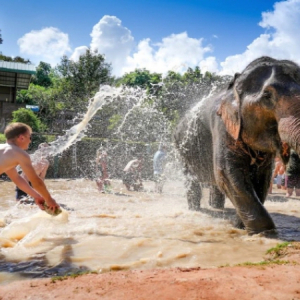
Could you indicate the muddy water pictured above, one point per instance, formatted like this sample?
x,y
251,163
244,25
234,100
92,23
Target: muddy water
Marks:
x,y
128,230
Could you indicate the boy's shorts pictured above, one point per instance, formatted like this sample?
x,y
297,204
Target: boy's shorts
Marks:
x,y
293,181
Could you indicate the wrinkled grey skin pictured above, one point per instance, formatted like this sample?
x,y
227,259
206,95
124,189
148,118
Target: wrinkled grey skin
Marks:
x,y
229,141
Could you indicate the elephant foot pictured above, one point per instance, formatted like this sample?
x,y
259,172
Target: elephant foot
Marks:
x,y
193,200
238,223
268,231
271,234
216,198
194,207
194,194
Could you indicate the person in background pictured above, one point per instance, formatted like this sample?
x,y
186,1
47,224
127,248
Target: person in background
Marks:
x,y
278,174
132,175
283,180
12,154
102,181
158,168
40,166
293,174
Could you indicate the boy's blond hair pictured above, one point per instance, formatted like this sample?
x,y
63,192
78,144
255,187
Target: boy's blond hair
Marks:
x,y
13,130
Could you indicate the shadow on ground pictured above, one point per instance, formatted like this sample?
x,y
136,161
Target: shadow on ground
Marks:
x,y
287,226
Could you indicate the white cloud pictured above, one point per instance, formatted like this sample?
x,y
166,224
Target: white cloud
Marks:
x,y
176,52
281,41
209,64
48,44
113,40
78,52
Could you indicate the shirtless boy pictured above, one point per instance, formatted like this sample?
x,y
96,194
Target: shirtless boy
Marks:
x,y
12,154
40,165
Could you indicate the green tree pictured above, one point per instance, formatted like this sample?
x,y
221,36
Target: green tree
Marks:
x,y
142,78
80,80
191,76
47,99
43,75
28,117
180,92
14,59
24,96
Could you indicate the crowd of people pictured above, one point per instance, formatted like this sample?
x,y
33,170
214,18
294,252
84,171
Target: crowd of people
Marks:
x,y
132,172
30,178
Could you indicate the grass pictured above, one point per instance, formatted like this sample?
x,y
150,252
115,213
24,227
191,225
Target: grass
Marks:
x,y
275,252
279,249
73,275
265,263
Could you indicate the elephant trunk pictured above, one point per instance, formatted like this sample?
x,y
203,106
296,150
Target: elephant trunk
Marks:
x,y
289,131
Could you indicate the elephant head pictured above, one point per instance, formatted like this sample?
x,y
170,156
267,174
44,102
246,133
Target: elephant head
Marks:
x,y
262,106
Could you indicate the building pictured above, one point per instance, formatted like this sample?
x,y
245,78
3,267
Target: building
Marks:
x,y
13,77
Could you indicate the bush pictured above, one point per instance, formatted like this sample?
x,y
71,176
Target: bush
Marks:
x,y
2,138
28,117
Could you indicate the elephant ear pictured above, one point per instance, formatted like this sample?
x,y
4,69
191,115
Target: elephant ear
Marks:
x,y
229,110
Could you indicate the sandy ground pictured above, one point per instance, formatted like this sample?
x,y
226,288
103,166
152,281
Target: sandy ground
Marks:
x,y
279,278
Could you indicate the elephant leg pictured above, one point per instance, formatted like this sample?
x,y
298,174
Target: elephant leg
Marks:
x,y
238,223
216,198
234,176
261,179
194,194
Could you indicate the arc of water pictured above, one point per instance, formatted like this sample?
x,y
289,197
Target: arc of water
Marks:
x,y
76,133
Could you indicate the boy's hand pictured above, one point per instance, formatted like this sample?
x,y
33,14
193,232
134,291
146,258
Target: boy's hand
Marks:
x,y
52,205
40,202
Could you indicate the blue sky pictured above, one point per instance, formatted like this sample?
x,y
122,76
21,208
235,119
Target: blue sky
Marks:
x,y
160,35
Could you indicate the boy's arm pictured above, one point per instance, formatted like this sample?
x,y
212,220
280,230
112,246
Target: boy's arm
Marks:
x,y
24,186
44,170
37,183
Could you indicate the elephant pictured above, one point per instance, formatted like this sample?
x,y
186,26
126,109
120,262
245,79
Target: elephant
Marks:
x,y
228,141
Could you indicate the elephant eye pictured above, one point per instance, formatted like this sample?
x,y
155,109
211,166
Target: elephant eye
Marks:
x,y
267,95
267,99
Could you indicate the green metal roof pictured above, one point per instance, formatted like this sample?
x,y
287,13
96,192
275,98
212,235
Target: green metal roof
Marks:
x,y
8,66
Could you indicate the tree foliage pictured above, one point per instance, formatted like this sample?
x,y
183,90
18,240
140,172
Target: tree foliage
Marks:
x,y
65,91
1,40
14,59
43,75
80,80
180,92
141,78
28,117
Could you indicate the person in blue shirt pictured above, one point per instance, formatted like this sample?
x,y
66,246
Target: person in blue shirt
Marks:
x,y
158,168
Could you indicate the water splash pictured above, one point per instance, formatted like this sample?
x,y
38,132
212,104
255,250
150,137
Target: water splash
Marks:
x,y
105,95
